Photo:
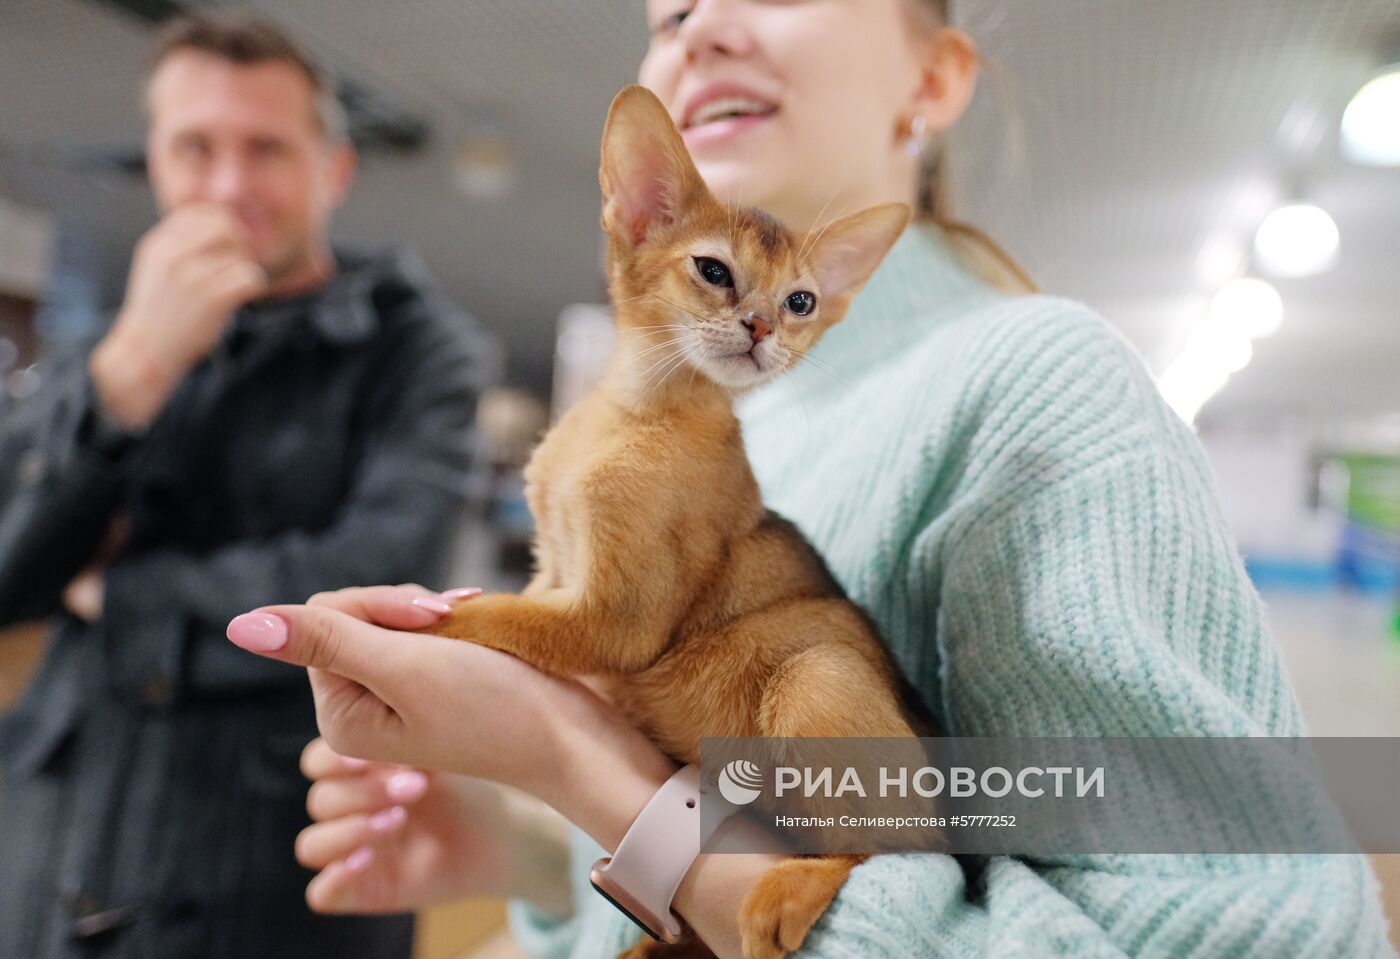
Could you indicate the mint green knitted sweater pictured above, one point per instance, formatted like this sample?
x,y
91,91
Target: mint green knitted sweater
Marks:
x,y
996,480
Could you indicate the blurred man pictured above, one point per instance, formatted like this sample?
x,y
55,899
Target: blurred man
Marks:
x,y
264,419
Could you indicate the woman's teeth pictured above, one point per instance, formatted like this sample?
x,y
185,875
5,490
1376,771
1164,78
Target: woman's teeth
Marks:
x,y
728,107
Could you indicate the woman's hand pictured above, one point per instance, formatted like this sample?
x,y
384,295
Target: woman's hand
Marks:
x,y
446,704
389,838
421,700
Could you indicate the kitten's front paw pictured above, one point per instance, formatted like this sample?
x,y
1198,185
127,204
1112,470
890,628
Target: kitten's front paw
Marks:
x,y
454,625
470,620
785,902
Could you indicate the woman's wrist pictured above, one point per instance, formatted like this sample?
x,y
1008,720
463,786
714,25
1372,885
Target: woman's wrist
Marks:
x,y
606,784
131,386
602,771
607,772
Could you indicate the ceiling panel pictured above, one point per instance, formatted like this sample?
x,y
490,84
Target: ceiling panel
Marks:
x,y
1109,143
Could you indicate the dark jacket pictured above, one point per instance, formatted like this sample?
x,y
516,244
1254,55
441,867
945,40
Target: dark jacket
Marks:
x,y
149,791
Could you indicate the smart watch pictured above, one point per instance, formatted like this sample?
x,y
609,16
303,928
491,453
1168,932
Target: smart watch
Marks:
x,y
642,876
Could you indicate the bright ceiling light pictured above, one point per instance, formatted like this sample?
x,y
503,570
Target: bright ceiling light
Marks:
x,y
1297,240
1187,384
1218,346
1220,259
1213,351
1371,123
1248,305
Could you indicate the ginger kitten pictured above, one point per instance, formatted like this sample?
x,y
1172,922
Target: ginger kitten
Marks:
x,y
658,568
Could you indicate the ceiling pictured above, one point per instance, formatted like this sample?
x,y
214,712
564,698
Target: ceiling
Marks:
x,y
1110,143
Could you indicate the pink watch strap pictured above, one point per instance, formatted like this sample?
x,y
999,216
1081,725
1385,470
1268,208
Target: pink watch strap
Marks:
x,y
642,876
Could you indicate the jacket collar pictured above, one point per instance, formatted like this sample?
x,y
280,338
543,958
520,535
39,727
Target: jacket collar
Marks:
x,y
343,311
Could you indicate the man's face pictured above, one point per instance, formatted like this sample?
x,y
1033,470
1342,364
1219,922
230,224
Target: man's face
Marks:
x,y
246,137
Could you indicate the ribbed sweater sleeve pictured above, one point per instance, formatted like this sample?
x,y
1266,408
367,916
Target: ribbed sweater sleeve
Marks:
x,y
1085,579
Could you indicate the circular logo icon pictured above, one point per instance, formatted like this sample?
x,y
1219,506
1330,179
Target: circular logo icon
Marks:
x,y
740,782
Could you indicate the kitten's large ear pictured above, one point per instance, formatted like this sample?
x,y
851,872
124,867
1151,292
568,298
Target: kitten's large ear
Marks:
x,y
646,174
846,252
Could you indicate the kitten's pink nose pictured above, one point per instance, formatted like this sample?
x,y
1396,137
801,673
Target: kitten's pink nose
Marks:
x,y
757,326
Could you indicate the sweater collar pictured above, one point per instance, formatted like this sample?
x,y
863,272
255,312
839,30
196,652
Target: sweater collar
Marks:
x,y
921,283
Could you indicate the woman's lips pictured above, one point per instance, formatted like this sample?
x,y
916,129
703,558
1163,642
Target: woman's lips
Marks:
x,y
718,131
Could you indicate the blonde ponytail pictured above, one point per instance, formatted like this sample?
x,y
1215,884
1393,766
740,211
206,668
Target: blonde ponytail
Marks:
x,y
935,202
979,251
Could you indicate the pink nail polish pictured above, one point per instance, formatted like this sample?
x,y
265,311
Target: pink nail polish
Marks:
x,y
406,786
359,860
258,632
467,592
387,820
434,605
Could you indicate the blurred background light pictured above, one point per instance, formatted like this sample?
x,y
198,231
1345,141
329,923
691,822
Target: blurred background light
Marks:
x,y
1220,344
1371,123
1249,305
1217,347
1188,382
1221,259
1299,239
1223,346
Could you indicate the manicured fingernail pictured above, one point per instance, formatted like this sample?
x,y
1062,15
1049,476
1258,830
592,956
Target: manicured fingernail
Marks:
x,y
406,786
387,820
435,605
359,860
353,764
258,632
467,592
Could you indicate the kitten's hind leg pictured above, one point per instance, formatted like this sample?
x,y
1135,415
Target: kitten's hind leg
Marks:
x,y
787,900
828,690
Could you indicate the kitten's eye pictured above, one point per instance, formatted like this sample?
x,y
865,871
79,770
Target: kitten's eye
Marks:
x,y
713,271
801,303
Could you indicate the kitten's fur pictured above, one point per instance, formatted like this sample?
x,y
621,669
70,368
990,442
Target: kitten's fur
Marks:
x,y
658,567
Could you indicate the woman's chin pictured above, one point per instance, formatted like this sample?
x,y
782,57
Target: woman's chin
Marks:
x,y
736,180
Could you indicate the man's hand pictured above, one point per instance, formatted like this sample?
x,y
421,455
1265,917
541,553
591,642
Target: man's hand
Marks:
x,y
189,274
83,597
